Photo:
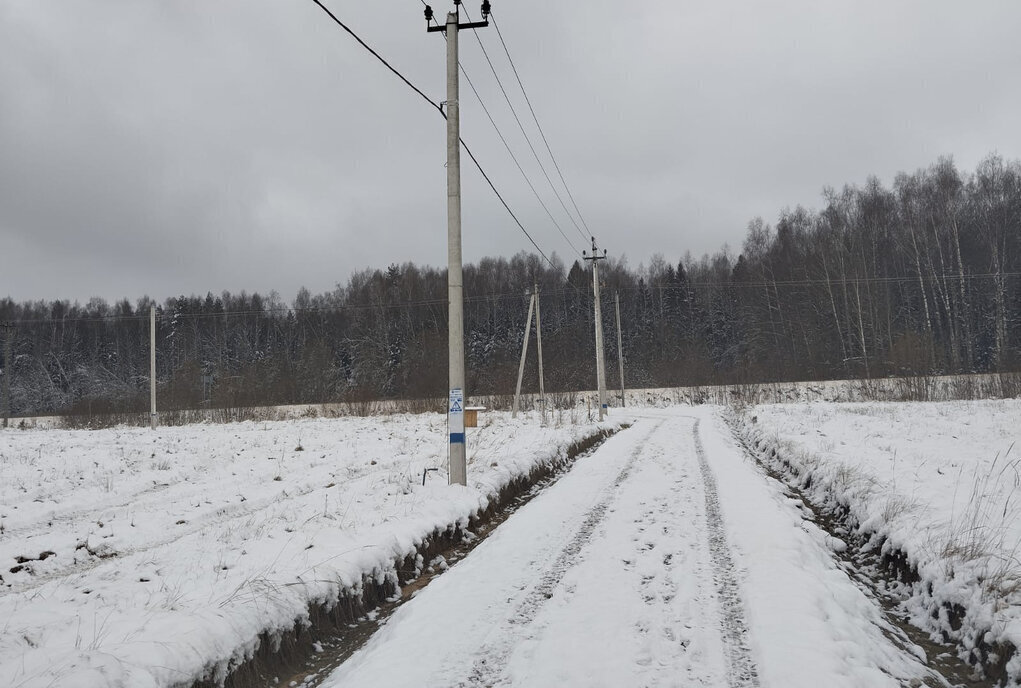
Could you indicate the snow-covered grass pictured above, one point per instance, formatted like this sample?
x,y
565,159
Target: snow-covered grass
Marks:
x,y
137,558
938,482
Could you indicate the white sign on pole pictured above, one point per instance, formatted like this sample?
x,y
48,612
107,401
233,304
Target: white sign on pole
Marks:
x,y
455,415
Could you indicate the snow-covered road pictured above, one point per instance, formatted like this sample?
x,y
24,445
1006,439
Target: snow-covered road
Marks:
x,y
665,558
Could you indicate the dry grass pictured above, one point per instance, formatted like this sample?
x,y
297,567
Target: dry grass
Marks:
x,y
981,535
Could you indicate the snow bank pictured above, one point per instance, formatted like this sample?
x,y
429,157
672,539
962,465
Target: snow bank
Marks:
x,y
138,558
935,489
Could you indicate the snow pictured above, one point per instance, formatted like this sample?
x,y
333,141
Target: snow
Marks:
x,y
665,557
937,481
138,558
609,578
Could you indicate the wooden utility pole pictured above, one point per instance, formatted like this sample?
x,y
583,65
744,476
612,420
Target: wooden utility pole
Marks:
x,y
524,353
600,361
620,349
457,460
8,328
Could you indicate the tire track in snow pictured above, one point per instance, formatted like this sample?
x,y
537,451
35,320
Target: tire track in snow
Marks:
x,y
741,669
491,660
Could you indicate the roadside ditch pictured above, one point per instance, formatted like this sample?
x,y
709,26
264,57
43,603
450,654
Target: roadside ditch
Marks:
x,y
306,654
886,574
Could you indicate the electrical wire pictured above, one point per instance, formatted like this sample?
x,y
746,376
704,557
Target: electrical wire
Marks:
x,y
378,56
444,115
506,145
528,140
537,125
515,159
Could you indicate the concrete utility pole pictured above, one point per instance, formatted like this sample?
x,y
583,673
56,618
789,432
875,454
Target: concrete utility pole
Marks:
x,y
458,467
8,328
538,346
152,366
600,362
524,353
620,349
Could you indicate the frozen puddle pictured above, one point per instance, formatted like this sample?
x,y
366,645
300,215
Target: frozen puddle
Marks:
x,y
662,559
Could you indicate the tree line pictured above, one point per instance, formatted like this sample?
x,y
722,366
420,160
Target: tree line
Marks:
x,y
922,277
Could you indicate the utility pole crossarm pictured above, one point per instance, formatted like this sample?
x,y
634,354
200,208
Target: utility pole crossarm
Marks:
x,y
466,25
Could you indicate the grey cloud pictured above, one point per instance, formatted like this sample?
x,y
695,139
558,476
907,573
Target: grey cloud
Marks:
x,y
168,147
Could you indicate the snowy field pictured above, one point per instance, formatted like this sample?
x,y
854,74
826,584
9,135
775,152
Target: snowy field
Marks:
x,y
940,482
137,558
132,558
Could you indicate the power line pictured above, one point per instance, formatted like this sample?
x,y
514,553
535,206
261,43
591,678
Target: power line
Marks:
x,y
378,56
444,115
528,140
515,159
537,125
511,212
506,145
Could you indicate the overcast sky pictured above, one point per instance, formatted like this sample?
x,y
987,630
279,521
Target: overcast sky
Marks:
x,y
163,147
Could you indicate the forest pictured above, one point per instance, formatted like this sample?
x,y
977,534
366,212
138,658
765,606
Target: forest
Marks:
x,y
918,278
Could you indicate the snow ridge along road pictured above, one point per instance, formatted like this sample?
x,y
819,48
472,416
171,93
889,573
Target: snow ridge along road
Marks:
x,y
741,671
